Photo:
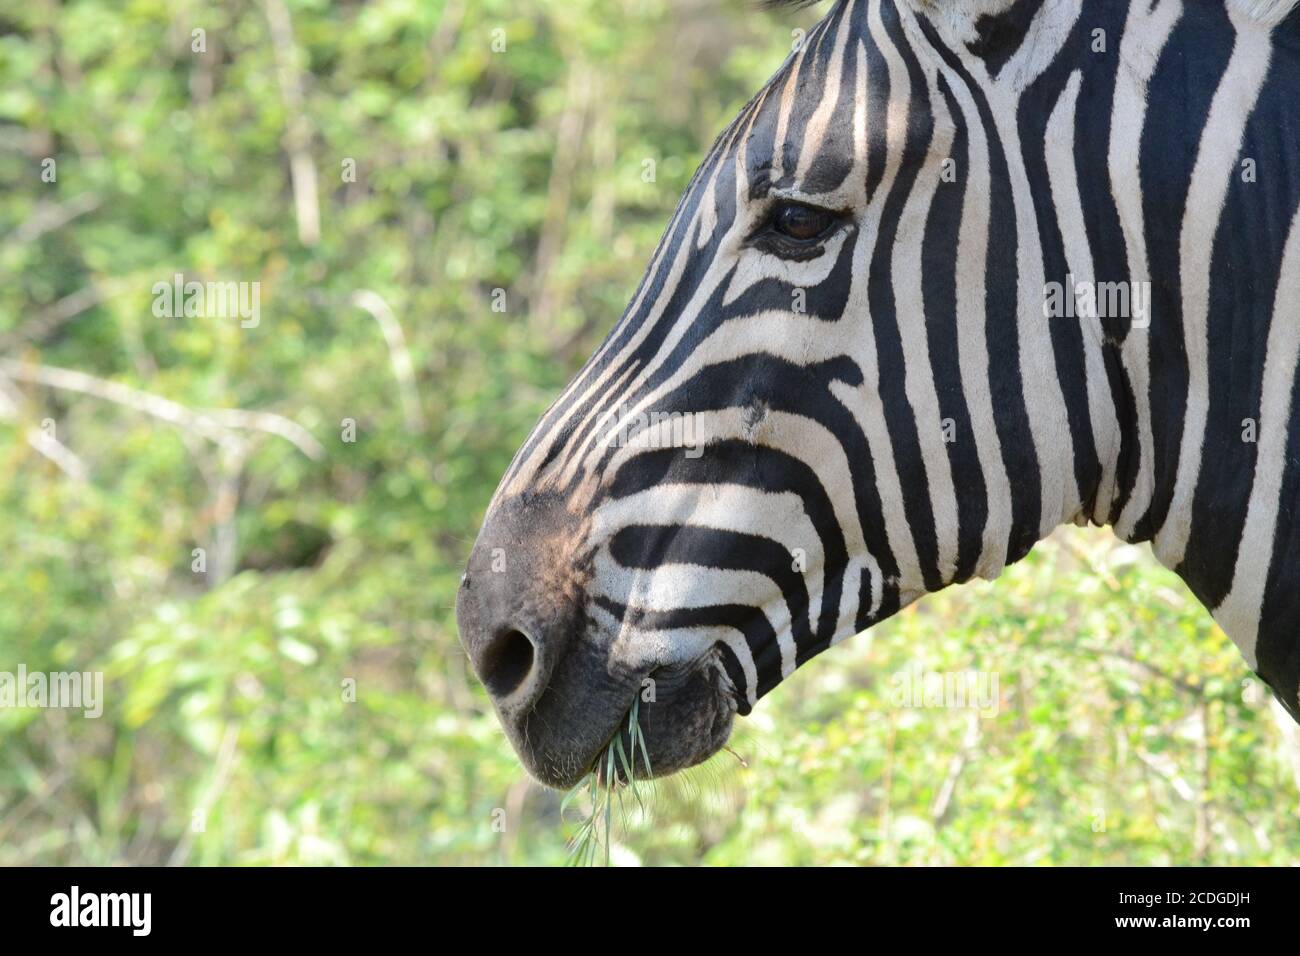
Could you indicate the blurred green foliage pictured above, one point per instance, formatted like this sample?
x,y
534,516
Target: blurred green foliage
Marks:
x,y
1124,733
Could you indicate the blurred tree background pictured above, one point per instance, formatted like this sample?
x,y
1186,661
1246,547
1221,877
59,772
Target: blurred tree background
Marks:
x,y
387,171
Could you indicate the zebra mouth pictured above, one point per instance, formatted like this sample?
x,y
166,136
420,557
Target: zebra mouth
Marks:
x,y
684,715
563,677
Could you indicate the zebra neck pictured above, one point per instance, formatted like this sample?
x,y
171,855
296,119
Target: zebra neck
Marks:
x,y
1204,168
1157,148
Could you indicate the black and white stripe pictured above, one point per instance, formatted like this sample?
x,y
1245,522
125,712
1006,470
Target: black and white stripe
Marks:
x,y
921,421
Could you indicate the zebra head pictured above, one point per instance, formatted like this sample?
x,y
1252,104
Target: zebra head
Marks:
x,y
835,389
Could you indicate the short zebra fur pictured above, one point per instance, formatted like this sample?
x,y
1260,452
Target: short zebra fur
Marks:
x,y
885,408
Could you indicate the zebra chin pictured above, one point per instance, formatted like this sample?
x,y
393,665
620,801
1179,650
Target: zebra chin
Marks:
x,y
569,731
562,681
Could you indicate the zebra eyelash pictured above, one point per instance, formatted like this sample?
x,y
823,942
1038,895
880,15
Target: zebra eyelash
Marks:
x,y
766,237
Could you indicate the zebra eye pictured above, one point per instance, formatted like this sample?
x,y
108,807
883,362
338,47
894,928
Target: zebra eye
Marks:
x,y
802,223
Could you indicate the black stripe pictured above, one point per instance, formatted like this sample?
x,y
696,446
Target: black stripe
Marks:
x,y
939,278
1186,77
765,469
1000,35
1002,332
900,417
1067,333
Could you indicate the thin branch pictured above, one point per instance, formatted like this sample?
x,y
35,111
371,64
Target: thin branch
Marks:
x,y
63,457
1290,737
21,810
943,800
215,425
298,135
398,354
271,424
49,216
1147,666
225,762
886,819
46,322
544,293
10,399
1201,833
1166,768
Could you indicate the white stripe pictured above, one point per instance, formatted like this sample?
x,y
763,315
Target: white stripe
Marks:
x,y
777,516
972,332
1239,613
1145,34
801,438
919,377
1069,216
1216,162
1040,386
819,122
670,587
864,401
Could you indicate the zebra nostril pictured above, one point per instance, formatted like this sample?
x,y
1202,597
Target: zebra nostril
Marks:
x,y
507,661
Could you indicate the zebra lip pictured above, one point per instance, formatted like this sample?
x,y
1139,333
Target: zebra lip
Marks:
x,y
686,720
689,722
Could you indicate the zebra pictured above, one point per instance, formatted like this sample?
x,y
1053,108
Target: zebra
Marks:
x,y
961,272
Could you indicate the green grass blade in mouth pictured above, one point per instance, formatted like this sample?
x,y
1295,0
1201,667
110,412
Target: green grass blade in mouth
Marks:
x,y
603,787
